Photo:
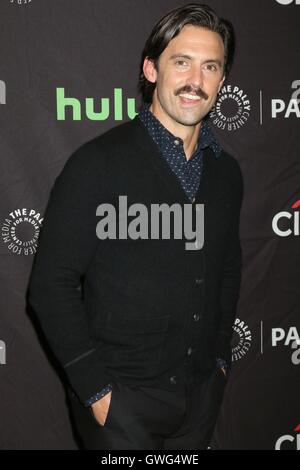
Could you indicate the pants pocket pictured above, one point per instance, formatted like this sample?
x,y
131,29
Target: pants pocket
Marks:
x,y
109,411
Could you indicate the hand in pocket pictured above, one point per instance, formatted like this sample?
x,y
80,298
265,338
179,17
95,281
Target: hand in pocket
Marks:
x,y
101,407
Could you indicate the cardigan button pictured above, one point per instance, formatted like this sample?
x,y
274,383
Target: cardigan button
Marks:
x,y
173,379
197,316
199,280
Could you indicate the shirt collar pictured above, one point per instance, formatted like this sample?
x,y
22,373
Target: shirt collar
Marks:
x,y
155,127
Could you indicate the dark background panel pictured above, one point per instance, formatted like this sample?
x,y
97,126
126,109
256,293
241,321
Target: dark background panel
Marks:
x,y
91,48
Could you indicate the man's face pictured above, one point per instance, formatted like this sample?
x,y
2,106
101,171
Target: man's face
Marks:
x,y
191,64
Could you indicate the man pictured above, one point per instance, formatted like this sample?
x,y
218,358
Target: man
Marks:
x,y
142,326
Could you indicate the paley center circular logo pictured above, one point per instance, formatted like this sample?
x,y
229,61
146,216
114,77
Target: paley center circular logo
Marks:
x,y
20,2
241,341
20,231
232,109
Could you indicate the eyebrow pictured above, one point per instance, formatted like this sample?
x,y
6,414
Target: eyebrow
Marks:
x,y
186,56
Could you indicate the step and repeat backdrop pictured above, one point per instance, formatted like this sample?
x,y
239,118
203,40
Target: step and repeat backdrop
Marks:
x,y
69,71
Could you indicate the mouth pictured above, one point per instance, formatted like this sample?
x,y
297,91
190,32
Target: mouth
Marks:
x,y
189,99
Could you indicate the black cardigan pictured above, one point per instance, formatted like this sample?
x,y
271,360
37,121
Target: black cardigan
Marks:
x,y
145,312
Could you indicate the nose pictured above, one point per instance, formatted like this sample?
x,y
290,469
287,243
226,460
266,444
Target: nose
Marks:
x,y
196,76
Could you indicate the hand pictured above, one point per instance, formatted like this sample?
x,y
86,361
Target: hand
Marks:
x,y
100,408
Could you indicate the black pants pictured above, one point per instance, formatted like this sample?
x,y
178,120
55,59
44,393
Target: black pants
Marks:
x,y
151,418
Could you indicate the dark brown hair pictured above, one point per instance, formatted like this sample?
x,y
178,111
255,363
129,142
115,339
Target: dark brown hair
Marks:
x,y
170,26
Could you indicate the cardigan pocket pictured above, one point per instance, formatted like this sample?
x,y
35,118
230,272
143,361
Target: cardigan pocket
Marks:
x,y
136,344
139,324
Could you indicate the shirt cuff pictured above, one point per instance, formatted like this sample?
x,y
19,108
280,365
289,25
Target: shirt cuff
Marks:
x,y
98,395
221,363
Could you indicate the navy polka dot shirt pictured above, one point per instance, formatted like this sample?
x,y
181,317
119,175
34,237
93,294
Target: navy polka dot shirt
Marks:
x,y
171,147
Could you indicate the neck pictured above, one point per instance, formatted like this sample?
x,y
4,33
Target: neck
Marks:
x,y
189,134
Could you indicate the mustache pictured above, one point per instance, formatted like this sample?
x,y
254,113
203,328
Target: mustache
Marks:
x,y
188,89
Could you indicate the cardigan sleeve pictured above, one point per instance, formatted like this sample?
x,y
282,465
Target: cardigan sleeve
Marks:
x,y
67,245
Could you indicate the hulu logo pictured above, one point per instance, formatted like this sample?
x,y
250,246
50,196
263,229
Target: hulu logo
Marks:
x,y
101,113
2,92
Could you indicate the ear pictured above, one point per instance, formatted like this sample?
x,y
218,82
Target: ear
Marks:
x,y
221,83
149,70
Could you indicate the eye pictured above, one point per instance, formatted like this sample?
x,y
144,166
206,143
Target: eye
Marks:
x,y
212,67
180,62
